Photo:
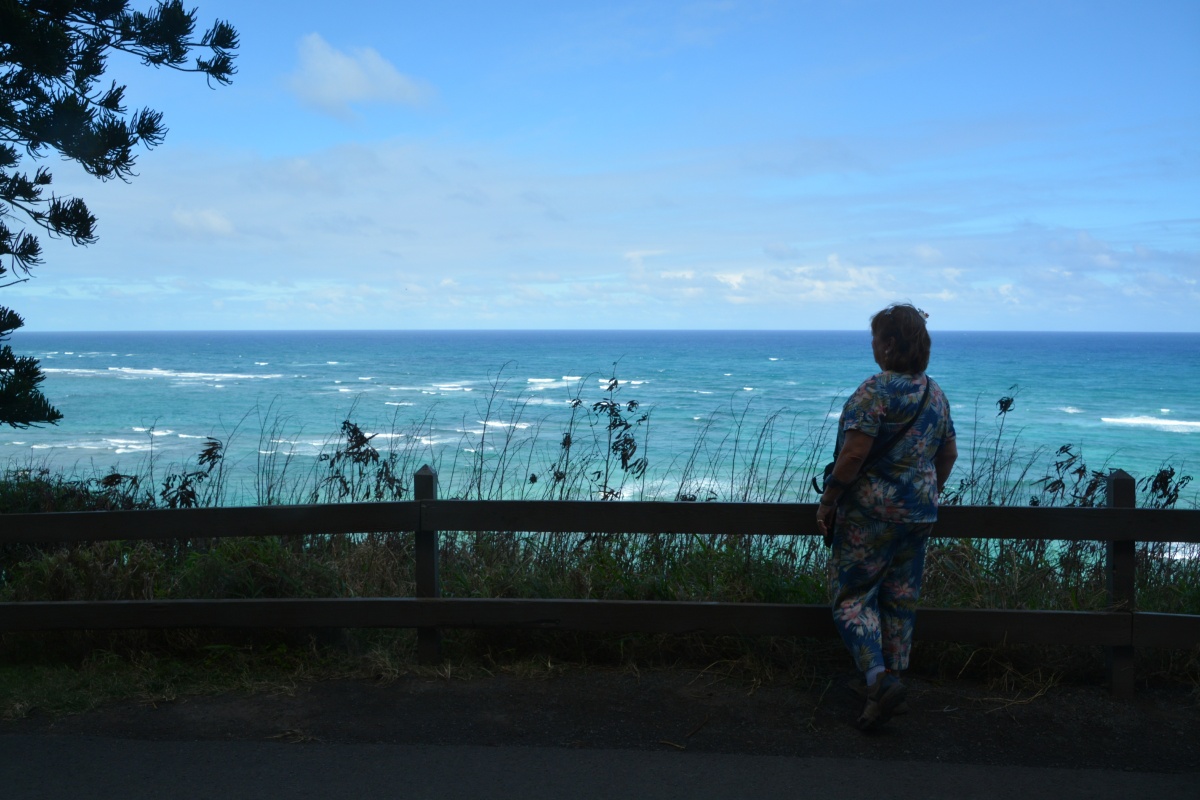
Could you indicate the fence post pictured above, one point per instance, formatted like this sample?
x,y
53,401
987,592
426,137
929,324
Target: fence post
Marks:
x,y
1119,568
429,640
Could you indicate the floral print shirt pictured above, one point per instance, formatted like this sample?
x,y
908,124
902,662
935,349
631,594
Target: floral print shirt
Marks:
x,y
901,485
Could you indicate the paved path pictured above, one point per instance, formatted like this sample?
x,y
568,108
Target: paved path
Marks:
x,y
49,767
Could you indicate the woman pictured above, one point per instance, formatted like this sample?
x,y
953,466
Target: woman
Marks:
x,y
884,514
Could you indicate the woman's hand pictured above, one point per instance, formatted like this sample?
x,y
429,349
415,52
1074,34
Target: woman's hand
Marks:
x,y
855,449
826,515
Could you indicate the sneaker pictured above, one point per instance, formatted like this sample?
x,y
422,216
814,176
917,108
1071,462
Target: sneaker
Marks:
x,y
884,697
859,687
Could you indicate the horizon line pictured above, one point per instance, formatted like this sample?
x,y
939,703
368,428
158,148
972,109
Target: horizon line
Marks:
x,y
20,332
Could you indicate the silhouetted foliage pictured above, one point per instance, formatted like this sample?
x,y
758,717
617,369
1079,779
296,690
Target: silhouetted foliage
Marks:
x,y
53,54
22,403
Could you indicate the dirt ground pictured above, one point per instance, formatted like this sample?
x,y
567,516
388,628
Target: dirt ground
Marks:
x,y
697,710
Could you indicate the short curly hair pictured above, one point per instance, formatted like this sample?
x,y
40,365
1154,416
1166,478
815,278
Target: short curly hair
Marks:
x,y
905,323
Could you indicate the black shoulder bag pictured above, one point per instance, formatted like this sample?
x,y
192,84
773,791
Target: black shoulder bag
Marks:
x,y
876,454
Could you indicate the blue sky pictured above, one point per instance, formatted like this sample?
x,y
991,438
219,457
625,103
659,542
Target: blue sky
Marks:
x,y
1006,166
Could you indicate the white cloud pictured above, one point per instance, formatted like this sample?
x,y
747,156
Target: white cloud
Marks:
x,y
733,280
377,234
637,256
333,81
204,221
637,260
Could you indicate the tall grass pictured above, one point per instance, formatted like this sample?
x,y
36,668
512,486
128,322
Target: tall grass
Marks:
x,y
600,451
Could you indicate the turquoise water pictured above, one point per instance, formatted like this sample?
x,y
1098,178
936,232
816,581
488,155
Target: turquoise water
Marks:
x,y
1125,400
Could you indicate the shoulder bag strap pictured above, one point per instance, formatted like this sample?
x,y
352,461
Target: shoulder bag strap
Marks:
x,y
898,435
885,448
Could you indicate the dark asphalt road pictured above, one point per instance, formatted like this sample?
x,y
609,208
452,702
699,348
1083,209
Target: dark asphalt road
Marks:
x,y
50,767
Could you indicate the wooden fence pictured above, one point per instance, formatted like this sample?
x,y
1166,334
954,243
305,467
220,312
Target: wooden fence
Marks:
x,y
1119,629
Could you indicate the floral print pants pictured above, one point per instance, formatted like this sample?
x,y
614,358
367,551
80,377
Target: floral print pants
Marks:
x,y
875,575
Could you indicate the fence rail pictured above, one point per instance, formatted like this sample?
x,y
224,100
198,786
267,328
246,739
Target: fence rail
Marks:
x,y
549,516
1119,629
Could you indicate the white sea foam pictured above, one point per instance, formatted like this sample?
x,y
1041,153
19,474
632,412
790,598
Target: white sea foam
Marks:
x,y
747,388
190,436
261,363
141,430
430,441
390,403
1164,411
1069,410
1156,423
572,377
166,432
155,372
495,423
1182,551
772,359
366,379
539,380
331,362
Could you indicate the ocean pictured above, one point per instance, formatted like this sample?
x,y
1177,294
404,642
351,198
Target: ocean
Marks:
x,y
1121,400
